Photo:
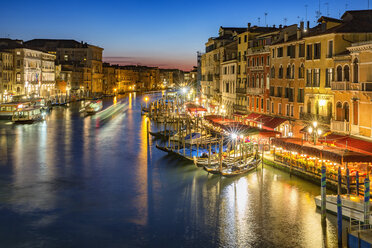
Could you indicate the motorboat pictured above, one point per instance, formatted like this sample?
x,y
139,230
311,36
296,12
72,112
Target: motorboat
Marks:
x,y
93,107
27,115
7,109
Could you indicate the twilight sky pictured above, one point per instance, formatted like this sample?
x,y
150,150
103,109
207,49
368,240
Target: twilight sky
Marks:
x,y
156,33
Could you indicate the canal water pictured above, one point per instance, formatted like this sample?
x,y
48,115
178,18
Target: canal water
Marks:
x,y
75,181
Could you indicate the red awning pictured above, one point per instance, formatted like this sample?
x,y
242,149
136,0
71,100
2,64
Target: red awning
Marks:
x,y
348,142
273,122
252,116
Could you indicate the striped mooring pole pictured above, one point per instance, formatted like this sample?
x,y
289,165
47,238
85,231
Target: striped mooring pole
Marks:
x,y
366,200
339,210
323,192
348,180
357,183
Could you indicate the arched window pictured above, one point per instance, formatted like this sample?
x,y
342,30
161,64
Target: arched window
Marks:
x,y
280,72
288,73
339,111
346,111
18,90
268,81
339,73
293,72
262,82
309,107
258,81
301,71
356,71
273,72
346,73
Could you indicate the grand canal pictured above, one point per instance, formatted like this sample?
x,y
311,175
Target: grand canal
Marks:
x,y
92,182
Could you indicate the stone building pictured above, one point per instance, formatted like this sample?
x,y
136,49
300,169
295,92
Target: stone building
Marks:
x,y
287,82
211,61
81,57
6,76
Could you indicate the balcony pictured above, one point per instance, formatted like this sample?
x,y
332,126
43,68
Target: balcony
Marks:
x,y
340,126
240,108
315,117
366,88
344,85
241,90
255,91
257,68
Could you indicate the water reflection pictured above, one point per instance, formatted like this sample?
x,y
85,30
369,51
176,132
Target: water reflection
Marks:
x,y
71,177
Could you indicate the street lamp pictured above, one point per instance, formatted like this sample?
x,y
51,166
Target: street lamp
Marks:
x,y
146,99
315,131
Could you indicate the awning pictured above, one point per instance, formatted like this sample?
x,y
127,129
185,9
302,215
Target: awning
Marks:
x,y
348,142
330,153
274,122
267,121
252,116
191,107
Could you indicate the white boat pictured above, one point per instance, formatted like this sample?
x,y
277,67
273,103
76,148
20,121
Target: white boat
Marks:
x,y
27,115
93,107
352,206
7,109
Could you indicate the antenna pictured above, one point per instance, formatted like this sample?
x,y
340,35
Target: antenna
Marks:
x,y
265,19
346,5
259,19
327,4
306,12
318,13
285,21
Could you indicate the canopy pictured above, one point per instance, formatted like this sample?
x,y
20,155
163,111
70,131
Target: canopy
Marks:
x,y
348,142
333,154
191,107
267,121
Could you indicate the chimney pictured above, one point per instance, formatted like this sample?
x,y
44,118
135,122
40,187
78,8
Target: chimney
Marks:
x,y
285,36
280,26
274,26
299,34
249,25
302,25
308,25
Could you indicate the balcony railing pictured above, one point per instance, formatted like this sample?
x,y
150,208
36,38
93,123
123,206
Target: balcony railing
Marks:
x,y
365,86
340,126
344,85
255,91
315,117
240,108
241,90
257,68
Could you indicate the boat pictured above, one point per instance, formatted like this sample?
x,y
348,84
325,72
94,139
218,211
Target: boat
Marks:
x,y
27,115
213,169
93,107
201,162
241,168
7,109
41,103
352,206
